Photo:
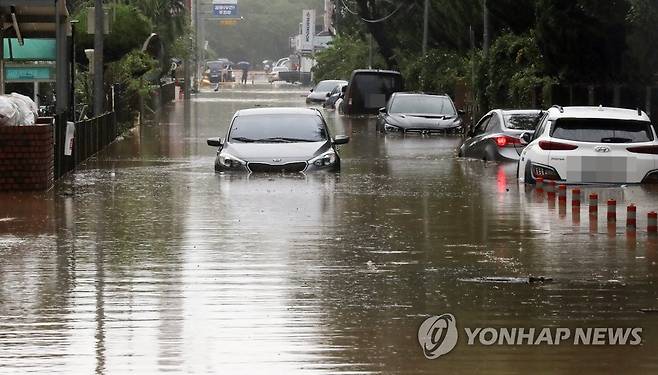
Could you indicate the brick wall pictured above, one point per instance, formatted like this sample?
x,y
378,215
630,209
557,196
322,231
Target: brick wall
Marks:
x,y
26,157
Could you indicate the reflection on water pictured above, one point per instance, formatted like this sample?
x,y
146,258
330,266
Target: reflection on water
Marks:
x,y
145,260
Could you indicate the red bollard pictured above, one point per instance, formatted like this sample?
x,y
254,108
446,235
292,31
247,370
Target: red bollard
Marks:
x,y
593,204
631,218
562,194
652,223
575,197
612,210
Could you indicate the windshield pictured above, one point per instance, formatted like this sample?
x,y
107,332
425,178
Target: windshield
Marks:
x,y
603,130
325,86
522,121
422,104
278,128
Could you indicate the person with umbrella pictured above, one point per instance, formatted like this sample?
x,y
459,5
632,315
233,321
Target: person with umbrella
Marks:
x,y
244,66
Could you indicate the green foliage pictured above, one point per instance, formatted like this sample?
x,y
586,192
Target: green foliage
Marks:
x,y
345,54
514,68
133,72
129,30
437,71
643,54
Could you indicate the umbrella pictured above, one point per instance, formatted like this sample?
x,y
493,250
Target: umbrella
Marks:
x,y
243,65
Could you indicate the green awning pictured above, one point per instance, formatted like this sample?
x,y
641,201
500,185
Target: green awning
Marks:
x,y
31,50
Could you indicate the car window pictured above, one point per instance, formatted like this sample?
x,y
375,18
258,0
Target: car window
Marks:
x,y
602,130
493,124
482,125
271,126
370,91
526,121
325,86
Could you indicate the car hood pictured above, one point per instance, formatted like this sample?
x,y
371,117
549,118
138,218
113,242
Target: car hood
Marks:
x,y
276,153
409,121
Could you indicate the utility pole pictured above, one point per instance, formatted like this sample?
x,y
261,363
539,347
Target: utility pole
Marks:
x,y
485,39
99,88
426,26
188,60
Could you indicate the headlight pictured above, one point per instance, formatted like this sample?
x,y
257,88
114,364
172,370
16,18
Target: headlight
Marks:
x,y
230,161
324,160
391,128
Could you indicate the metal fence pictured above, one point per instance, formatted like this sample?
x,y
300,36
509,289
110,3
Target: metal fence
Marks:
x,y
91,136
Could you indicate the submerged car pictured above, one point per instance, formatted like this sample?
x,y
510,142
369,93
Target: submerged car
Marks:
x,y
369,90
419,113
322,91
583,145
335,97
277,140
497,136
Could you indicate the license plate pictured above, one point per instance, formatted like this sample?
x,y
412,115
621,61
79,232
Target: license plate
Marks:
x,y
598,169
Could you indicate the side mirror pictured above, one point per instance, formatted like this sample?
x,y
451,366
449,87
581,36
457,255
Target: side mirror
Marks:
x,y
344,89
382,111
215,142
461,112
311,90
328,95
471,132
526,138
341,139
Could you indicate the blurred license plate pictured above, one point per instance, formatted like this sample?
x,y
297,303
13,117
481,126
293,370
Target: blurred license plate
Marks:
x,y
598,169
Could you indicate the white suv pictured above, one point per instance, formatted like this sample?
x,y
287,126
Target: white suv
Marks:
x,y
583,145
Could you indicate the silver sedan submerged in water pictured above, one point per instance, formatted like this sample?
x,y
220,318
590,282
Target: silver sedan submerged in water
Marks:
x,y
277,140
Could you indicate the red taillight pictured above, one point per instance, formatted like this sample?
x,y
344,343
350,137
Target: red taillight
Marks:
x,y
644,150
506,140
556,146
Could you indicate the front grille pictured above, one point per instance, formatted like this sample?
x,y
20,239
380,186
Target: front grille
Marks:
x,y
269,168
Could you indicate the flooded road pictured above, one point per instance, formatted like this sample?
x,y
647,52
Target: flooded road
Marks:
x,y
145,260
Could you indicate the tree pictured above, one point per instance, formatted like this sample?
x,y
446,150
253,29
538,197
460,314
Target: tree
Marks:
x,y
584,40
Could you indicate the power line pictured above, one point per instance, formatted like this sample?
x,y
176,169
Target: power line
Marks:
x,y
371,21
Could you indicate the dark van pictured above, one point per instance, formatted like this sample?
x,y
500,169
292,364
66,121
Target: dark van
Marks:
x,y
369,90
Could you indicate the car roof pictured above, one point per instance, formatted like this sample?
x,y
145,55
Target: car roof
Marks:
x,y
420,94
278,111
520,111
374,71
599,112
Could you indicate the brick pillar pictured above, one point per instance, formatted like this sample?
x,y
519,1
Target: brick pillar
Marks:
x,y
26,157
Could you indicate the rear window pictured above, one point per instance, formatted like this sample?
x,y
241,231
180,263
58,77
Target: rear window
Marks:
x,y
371,91
602,130
522,122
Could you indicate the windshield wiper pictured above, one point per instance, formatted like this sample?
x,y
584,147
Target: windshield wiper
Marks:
x,y
285,140
243,139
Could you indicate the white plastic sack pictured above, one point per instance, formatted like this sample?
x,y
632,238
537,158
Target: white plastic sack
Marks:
x,y
27,109
8,111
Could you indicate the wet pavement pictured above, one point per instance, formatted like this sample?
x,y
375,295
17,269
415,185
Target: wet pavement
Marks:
x,y
145,260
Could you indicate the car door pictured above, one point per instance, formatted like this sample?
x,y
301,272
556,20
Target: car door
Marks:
x,y
470,148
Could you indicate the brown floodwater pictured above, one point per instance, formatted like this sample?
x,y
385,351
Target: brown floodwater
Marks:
x,y
145,260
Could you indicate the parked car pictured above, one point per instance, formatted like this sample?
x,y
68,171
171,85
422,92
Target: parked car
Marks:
x,y
419,113
591,145
278,140
335,97
274,76
322,91
497,136
369,90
